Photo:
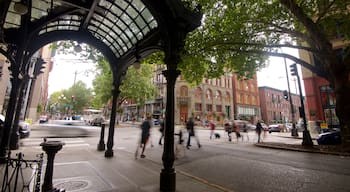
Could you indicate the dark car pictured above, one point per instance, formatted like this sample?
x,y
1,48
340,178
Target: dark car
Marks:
x,y
329,138
23,127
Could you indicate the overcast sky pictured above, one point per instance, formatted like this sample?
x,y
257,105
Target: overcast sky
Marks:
x,y
63,73
66,68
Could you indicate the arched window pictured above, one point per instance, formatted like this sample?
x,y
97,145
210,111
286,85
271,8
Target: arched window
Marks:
x,y
218,95
198,93
228,97
184,91
209,94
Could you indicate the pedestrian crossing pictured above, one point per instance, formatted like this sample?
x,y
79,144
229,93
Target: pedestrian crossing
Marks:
x,y
68,142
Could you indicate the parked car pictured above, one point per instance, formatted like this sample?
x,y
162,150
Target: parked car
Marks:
x,y
43,119
274,128
97,121
329,138
23,127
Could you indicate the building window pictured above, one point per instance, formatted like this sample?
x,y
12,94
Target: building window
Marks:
x,y
253,100
209,94
198,107
209,107
183,91
228,98
198,93
218,108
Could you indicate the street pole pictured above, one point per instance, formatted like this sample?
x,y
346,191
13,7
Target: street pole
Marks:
x,y
294,129
306,134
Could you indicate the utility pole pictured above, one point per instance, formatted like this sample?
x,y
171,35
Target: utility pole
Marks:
x,y
294,129
306,134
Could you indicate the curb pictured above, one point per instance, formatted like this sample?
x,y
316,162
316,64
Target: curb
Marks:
x,y
291,148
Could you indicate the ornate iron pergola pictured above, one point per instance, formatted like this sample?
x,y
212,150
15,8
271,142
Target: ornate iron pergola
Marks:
x,y
122,30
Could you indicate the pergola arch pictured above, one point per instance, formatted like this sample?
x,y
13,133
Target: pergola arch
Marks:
x,y
123,31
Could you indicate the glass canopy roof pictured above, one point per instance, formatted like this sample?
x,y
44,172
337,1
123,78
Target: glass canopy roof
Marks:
x,y
119,24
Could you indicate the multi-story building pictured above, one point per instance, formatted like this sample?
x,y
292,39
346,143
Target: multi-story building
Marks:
x,y
246,98
211,100
275,108
35,96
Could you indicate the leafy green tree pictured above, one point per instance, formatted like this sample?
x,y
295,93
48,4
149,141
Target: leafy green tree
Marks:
x,y
239,36
137,84
76,98
80,96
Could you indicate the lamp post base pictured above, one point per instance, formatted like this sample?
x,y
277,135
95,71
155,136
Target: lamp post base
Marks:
x,y
307,141
168,180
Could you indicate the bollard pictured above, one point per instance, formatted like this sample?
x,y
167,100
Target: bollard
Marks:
x,y
50,148
101,145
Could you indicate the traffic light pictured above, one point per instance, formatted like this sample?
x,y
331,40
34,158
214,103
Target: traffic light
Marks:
x,y
38,67
285,95
293,69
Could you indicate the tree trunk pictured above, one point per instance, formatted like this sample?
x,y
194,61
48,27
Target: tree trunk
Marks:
x,y
342,91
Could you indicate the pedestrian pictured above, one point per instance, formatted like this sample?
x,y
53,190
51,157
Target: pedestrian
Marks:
x,y
228,129
259,130
245,131
191,133
212,128
145,135
236,129
161,130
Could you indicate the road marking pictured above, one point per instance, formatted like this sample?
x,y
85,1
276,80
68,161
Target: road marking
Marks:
x,y
35,143
219,187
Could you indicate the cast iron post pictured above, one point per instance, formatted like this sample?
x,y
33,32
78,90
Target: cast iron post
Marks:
x,y
101,145
109,151
168,174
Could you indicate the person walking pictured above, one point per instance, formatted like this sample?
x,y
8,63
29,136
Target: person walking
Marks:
x,y
245,131
145,135
212,128
259,129
161,130
190,130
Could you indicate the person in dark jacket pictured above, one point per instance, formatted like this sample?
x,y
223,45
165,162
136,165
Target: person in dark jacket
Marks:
x,y
161,130
145,134
258,130
190,130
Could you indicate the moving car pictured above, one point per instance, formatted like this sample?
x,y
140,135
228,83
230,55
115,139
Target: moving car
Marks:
x,y
274,128
329,138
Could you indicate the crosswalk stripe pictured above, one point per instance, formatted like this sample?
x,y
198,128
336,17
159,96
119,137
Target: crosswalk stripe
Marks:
x,y
68,143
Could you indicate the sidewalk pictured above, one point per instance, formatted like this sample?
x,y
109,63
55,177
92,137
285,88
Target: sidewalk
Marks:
x,y
79,169
287,142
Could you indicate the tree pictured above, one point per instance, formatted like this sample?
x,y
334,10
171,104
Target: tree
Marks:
x,y
239,36
137,84
76,98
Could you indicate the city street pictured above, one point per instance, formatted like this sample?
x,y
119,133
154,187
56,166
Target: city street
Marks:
x,y
219,164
